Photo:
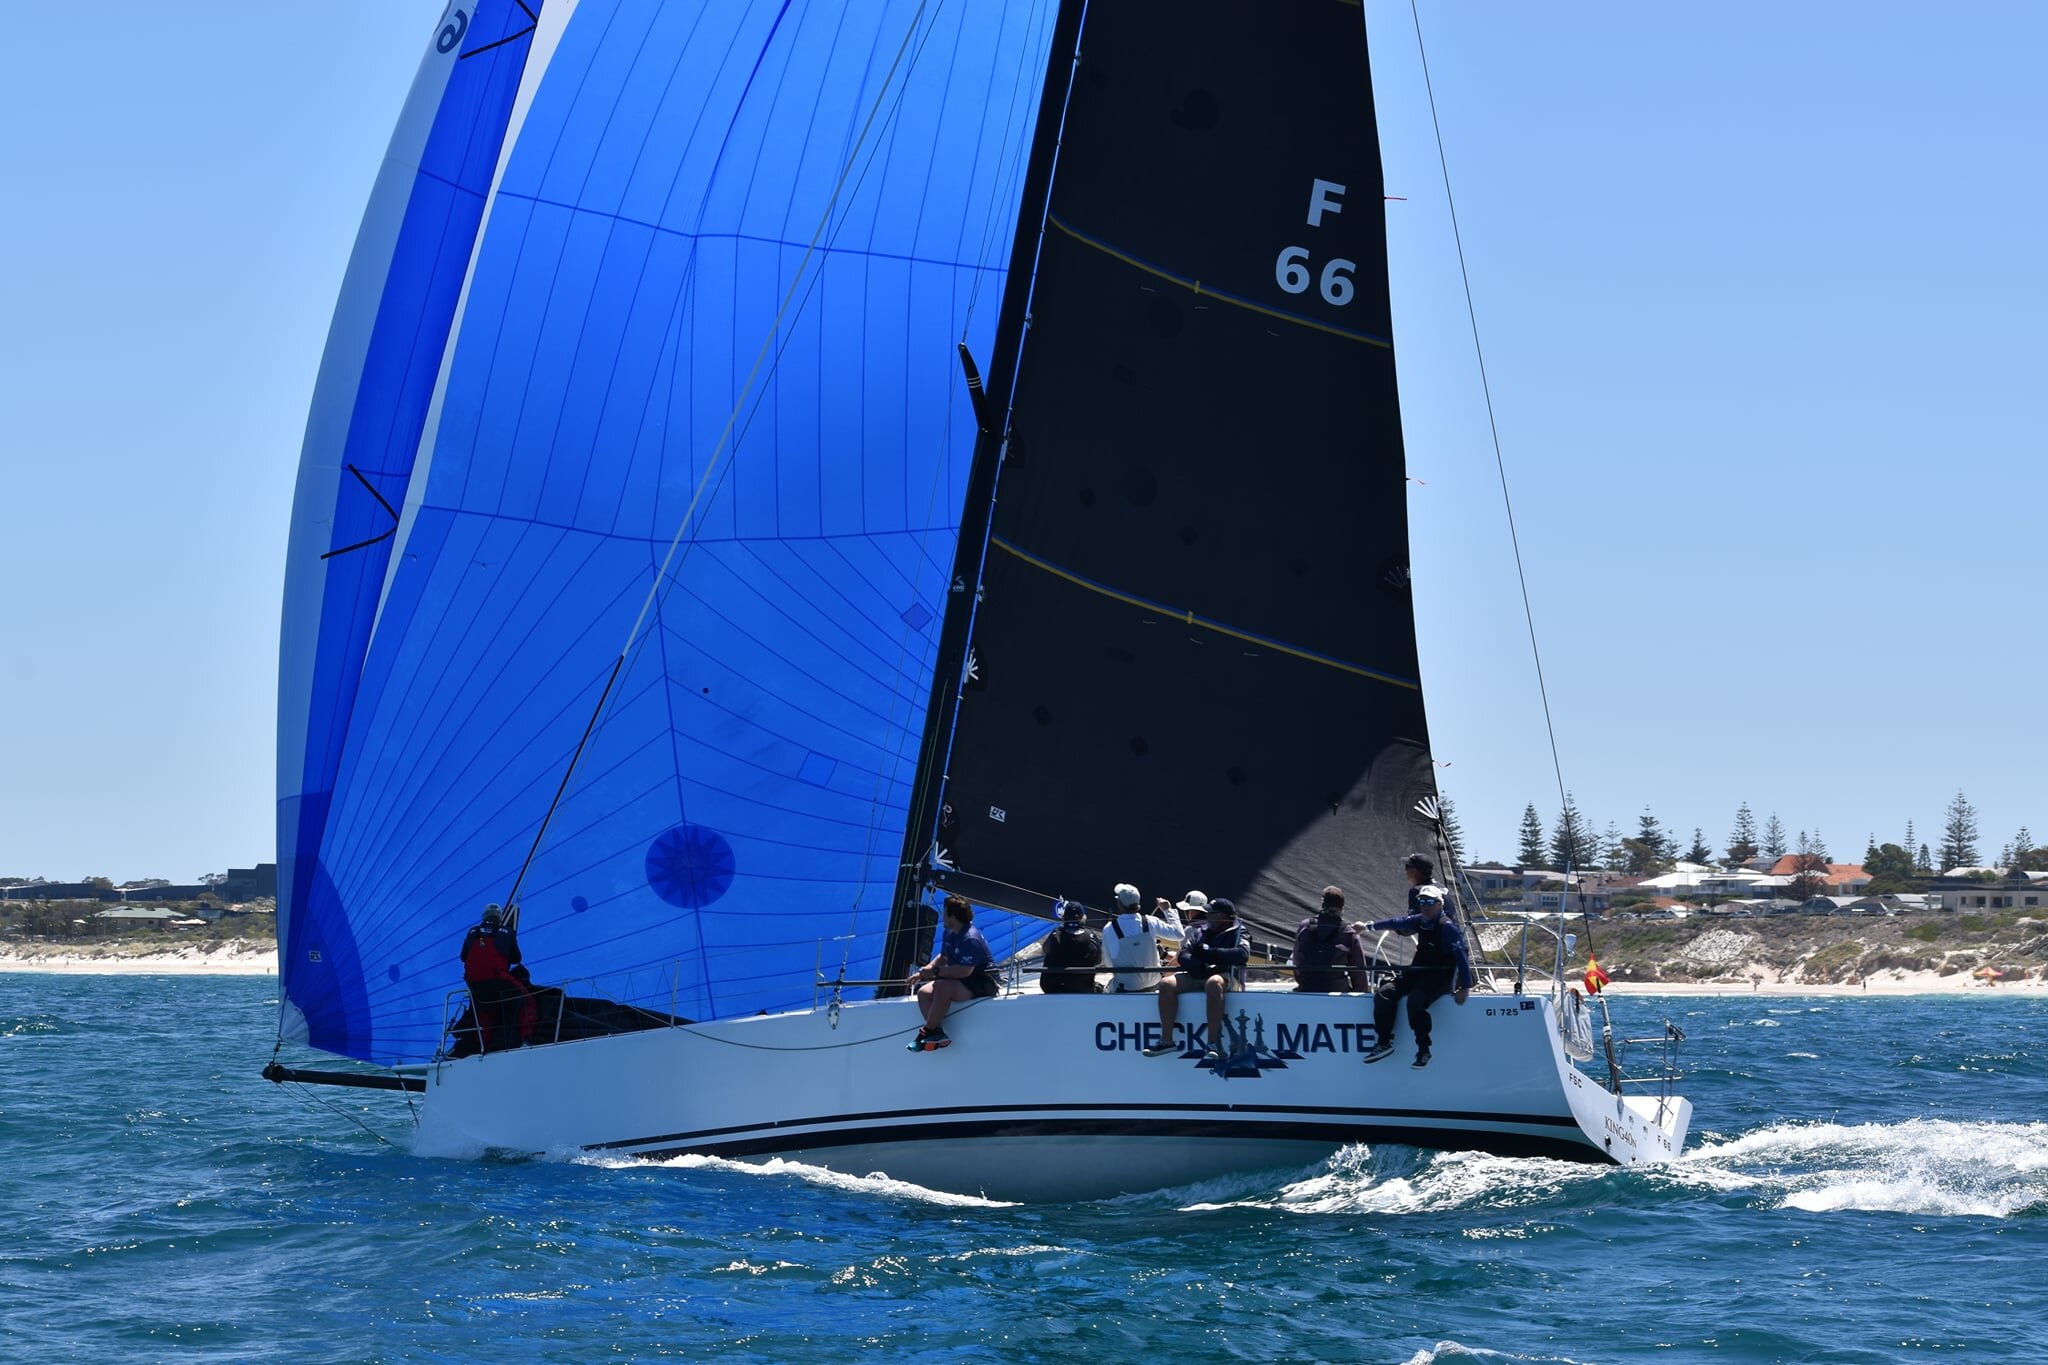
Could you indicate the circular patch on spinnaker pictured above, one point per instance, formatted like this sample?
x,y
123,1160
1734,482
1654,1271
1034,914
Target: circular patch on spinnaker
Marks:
x,y
690,866
393,973
578,904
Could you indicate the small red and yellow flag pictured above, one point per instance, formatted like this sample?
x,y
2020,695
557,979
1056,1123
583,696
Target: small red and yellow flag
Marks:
x,y
1595,978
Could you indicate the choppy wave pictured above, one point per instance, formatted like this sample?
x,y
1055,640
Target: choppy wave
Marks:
x,y
1933,1167
1404,1180
251,1221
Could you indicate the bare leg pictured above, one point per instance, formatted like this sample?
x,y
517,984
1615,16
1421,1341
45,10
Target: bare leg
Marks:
x,y
939,997
1169,1011
1216,987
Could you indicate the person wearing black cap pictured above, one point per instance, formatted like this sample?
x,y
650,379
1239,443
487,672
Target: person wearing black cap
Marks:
x,y
1440,965
1072,953
1209,958
1327,953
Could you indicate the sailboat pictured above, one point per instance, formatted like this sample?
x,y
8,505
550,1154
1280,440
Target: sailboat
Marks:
x,y
776,464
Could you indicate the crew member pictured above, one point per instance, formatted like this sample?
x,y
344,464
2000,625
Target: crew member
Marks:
x,y
489,953
1072,953
1210,958
960,970
1440,965
1132,939
1327,953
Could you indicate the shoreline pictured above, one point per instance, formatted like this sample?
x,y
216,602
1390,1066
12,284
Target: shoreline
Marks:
x,y
1893,981
228,959
242,959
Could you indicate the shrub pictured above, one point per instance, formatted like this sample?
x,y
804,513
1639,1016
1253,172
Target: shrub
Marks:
x,y
1833,962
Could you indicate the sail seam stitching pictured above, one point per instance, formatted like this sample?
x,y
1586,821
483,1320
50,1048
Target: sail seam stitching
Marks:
x,y
1189,616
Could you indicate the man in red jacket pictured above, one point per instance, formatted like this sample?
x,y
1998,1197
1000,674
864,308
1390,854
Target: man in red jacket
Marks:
x,y
489,953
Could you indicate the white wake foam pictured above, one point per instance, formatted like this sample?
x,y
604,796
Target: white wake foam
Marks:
x,y
1451,1350
1397,1180
1932,1167
778,1168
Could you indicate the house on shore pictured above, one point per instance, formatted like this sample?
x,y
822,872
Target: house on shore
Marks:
x,y
1989,888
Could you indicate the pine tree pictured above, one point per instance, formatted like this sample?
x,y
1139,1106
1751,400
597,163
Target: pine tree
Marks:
x,y
1651,831
1613,849
1911,842
1742,843
1870,852
1820,847
1650,849
1571,843
1699,852
1959,835
1774,838
1454,837
2022,845
1532,837
1925,867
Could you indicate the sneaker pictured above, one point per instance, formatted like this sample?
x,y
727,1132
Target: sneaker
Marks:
x,y
1163,1050
1422,1059
1213,1055
1380,1053
917,1043
936,1039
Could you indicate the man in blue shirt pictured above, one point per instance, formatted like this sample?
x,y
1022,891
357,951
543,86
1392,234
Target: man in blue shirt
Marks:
x,y
958,971
1440,965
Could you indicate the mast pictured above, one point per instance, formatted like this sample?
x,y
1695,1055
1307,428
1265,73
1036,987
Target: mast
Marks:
x,y
910,923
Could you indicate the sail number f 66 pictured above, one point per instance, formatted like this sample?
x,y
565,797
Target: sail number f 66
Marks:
x,y
1291,269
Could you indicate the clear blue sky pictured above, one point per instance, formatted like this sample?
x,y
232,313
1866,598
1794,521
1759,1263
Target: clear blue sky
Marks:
x,y
1761,288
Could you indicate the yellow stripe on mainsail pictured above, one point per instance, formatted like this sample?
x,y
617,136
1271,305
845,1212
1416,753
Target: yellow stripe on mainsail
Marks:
x,y
1212,293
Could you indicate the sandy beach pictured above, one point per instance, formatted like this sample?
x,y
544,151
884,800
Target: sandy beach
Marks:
x,y
227,959
246,959
1889,982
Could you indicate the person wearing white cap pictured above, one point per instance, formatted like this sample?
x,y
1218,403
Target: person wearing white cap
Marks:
x,y
1132,940
1441,965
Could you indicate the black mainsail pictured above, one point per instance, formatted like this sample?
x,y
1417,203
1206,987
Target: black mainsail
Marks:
x,y
1190,658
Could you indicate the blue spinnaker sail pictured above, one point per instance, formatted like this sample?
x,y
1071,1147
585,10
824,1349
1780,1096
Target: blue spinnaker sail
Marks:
x,y
710,323
384,350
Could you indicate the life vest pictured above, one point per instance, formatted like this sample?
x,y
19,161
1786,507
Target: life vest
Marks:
x,y
1433,946
1317,944
488,954
1070,948
1134,957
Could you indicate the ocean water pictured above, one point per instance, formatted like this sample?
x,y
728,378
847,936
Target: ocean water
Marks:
x,y
1867,1180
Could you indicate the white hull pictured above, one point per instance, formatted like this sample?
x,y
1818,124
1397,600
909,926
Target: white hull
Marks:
x,y
1049,1097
